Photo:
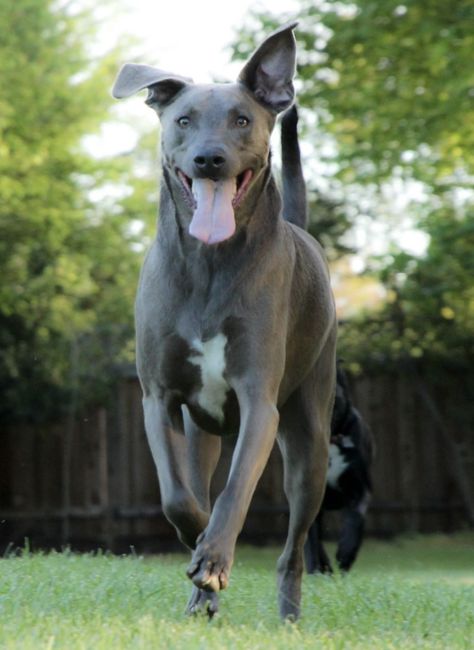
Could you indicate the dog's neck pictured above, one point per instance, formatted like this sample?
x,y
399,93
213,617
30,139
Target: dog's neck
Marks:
x,y
257,220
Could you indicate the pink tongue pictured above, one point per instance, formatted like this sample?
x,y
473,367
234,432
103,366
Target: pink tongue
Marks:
x,y
213,220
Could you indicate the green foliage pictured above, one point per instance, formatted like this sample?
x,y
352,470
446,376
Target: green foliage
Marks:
x,y
385,78
67,263
388,93
329,224
414,593
402,81
430,307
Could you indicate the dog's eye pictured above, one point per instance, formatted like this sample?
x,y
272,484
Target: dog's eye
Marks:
x,y
183,121
242,121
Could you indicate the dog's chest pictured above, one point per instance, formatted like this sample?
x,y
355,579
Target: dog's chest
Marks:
x,y
209,357
338,463
196,370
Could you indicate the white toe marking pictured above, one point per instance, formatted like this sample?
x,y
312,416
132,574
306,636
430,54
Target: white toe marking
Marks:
x,y
210,358
337,465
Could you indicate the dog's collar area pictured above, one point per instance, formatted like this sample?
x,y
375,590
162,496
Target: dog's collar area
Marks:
x,y
243,181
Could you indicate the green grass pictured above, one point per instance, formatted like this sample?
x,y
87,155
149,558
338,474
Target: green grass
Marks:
x,y
413,593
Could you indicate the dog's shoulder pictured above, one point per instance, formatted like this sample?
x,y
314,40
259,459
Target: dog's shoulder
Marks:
x,y
302,238
308,250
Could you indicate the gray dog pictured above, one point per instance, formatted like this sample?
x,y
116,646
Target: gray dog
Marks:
x,y
236,327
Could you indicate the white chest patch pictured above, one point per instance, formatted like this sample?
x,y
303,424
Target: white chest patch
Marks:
x,y
337,465
210,358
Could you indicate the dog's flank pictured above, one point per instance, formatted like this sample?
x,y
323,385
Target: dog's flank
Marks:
x,y
235,319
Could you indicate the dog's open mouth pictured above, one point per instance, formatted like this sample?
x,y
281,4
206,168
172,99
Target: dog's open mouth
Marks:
x,y
213,203
242,183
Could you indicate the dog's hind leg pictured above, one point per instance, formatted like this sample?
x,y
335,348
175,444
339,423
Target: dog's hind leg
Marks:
x,y
304,442
204,450
304,448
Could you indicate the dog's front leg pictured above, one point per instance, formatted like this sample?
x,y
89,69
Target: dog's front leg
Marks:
x,y
171,453
213,557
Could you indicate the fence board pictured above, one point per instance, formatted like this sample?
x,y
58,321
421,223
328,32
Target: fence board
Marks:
x,y
114,496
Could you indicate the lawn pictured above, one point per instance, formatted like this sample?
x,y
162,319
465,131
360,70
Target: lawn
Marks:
x,y
412,593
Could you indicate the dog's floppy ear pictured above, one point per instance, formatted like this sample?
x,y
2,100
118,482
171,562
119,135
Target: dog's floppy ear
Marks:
x,y
270,70
162,86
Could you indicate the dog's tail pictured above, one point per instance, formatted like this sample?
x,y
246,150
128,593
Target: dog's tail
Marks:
x,y
295,206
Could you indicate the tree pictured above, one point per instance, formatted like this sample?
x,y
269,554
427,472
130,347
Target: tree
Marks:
x,y
392,82
388,87
430,307
68,266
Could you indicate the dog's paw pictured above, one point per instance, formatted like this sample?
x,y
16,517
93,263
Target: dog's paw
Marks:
x,y
209,570
289,597
324,567
289,578
202,602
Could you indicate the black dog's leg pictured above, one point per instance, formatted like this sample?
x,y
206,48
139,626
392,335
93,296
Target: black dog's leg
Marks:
x,y
311,548
351,534
316,558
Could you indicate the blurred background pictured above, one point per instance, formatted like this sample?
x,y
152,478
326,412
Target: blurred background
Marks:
x,y
386,91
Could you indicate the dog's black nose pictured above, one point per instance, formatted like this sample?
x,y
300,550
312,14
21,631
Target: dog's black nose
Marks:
x,y
209,164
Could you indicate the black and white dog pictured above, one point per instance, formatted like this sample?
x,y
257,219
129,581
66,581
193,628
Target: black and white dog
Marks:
x,y
348,483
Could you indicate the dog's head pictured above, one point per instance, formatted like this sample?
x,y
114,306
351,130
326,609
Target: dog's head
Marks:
x,y
216,137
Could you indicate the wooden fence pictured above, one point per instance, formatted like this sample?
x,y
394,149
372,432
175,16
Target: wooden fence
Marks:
x,y
90,482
